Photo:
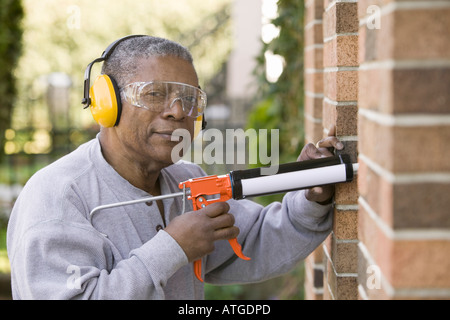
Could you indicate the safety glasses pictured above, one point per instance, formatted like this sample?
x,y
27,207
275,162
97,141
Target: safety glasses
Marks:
x,y
161,95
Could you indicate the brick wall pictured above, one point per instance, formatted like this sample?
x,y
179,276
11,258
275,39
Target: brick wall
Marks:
x,y
380,71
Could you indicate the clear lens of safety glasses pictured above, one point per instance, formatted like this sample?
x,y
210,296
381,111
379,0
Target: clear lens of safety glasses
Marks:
x,y
158,95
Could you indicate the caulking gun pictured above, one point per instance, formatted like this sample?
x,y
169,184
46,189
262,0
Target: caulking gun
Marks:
x,y
240,184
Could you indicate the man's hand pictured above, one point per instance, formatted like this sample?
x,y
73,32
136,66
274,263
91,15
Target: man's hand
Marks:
x,y
196,231
323,194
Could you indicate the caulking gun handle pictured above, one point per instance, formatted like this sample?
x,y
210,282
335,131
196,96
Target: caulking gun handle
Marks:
x,y
198,269
233,242
237,250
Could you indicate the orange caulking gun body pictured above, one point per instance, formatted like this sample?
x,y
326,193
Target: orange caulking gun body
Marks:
x,y
219,187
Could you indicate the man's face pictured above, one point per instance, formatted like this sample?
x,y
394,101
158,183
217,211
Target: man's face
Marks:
x,y
146,135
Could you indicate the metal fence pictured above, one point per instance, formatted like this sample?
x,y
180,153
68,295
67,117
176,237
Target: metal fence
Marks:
x,y
17,168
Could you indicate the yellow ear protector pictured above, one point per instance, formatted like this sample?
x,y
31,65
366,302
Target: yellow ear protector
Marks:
x,y
103,97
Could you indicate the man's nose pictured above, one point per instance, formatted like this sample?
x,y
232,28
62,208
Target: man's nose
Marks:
x,y
175,109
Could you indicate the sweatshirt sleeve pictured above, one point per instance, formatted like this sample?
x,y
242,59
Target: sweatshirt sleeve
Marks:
x,y
59,260
55,253
275,237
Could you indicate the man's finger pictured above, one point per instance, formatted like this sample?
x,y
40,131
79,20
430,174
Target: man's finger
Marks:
x,y
216,209
226,233
330,142
223,221
311,152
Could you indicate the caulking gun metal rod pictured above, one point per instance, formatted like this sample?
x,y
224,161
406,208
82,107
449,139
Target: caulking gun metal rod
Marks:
x,y
125,203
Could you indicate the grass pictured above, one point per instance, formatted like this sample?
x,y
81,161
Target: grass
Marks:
x,y
4,261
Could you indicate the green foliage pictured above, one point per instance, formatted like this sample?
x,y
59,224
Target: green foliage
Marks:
x,y
4,262
11,13
287,287
230,292
281,103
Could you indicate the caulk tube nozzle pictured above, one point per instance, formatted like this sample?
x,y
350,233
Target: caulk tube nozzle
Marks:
x,y
292,176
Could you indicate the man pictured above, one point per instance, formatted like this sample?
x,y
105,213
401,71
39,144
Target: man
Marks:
x,y
144,251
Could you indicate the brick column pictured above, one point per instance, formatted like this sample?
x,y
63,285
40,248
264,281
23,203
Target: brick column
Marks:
x,y
340,58
404,131
331,82
313,53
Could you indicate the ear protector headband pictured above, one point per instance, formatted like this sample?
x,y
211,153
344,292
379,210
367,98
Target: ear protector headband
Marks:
x,y
103,97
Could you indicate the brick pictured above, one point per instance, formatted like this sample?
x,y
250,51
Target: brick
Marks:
x,y
379,247
345,224
314,268
341,51
367,275
347,193
313,35
342,252
420,90
377,192
401,91
372,286
364,4
421,205
314,11
345,257
340,18
405,205
317,255
329,114
313,131
431,141
400,149
375,142
337,286
346,120
313,81
329,281
375,89
341,85
428,27
313,58
311,293
342,115
406,263
421,264
347,288
367,44
313,106
326,3
314,275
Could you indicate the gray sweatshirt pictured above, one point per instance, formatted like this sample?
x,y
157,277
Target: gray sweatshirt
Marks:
x,y
57,252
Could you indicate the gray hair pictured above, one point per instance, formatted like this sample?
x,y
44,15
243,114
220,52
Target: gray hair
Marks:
x,y
123,62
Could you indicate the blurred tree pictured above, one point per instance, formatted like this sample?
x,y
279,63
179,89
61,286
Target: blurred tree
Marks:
x,y
280,103
65,35
11,13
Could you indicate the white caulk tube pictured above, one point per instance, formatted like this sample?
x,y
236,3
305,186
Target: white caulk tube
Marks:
x,y
292,176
